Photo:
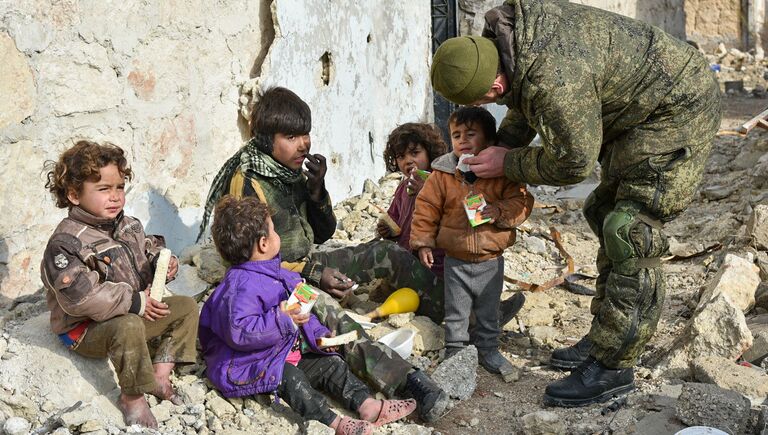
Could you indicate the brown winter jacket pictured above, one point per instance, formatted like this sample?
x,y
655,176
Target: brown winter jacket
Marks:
x,y
96,268
440,221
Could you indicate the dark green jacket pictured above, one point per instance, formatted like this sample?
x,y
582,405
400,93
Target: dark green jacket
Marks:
x,y
298,220
584,79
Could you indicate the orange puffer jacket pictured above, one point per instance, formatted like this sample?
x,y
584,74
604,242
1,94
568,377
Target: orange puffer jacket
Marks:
x,y
440,220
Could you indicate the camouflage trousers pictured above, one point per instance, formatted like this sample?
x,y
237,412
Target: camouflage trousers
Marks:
x,y
627,211
374,362
386,259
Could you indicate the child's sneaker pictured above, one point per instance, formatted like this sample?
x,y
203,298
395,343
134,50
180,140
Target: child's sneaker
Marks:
x,y
450,351
493,361
353,426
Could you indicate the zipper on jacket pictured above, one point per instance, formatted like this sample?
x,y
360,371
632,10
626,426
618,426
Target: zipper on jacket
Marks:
x,y
128,252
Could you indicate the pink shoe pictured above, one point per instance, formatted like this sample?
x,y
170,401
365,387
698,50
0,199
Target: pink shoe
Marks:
x,y
393,410
351,426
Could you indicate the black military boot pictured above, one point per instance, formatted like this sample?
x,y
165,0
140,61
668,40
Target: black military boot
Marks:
x,y
509,308
431,400
572,356
591,382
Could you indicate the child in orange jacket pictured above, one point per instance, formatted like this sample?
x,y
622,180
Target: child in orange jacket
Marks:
x,y
473,220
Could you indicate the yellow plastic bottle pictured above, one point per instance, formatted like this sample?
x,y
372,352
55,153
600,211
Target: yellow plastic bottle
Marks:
x,y
404,300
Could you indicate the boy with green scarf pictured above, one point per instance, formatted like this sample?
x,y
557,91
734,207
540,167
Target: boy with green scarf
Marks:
x,y
269,167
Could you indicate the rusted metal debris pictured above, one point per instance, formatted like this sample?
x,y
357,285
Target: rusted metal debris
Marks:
x,y
567,278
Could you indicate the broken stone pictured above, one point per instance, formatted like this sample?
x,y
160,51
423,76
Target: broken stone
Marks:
x,y
218,405
19,405
761,297
762,263
759,350
210,265
662,422
162,411
710,405
718,328
400,320
761,428
192,392
429,336
728,375
16,426
314,427
187,282
543,335
457,376
757,226
737,279
535,245
92,426
535,312
543,423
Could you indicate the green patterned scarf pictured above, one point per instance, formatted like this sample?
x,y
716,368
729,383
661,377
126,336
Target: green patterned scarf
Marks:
x,y
249,159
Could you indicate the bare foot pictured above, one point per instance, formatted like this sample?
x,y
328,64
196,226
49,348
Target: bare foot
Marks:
x,y
370,408
164,390
135,410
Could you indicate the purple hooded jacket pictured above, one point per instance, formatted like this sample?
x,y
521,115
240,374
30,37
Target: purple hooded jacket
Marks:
x,y
244,335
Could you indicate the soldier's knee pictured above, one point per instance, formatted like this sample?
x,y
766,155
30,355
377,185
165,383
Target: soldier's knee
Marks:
x,y
616,229
629,233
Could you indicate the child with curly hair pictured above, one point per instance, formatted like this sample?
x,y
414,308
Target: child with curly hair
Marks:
x,y
410,149
97,269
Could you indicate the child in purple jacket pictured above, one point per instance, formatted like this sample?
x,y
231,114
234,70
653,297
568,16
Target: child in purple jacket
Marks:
x,y
254,343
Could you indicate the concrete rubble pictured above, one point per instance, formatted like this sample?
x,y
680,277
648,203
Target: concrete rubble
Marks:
x,y
710,405
457,376
718,328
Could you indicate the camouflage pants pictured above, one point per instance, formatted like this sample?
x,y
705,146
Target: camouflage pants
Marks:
x,y
626,211
374,362
386,259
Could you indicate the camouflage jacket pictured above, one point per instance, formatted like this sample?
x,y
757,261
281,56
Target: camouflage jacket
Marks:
x,y
95,268
300,221
581,77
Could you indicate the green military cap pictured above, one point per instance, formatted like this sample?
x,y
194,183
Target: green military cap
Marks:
x,y
464,68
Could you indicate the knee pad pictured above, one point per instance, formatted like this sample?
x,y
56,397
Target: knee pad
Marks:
x,y
629,234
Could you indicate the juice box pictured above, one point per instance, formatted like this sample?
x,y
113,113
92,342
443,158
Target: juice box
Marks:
x,y
303,295
473,205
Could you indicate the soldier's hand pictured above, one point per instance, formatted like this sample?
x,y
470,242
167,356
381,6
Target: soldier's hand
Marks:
x,y
154,310
335,283
315,172
426,258
489,163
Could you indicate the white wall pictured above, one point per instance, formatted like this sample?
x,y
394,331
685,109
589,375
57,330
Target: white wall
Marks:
x,y
163,80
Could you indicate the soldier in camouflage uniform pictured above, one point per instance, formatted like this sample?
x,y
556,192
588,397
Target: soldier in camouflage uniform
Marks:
x,y
269,166
596,87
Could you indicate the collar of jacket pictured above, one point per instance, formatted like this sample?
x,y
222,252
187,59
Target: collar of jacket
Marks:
x,y
446,163
270,268
83,216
